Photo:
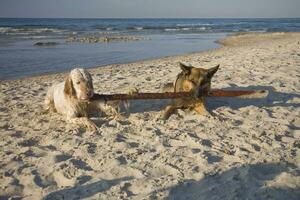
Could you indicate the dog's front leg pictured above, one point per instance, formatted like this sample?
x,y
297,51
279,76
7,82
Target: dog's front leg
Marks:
x,y
95,107
170,109
200,108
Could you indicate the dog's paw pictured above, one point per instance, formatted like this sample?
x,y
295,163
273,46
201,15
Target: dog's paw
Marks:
x,y
160,120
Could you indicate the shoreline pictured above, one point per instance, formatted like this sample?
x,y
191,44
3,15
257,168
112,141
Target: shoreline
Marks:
x,y
66,56
247,149
223,42
113,65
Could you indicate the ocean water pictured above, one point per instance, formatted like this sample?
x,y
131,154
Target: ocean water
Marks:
x,y
19,57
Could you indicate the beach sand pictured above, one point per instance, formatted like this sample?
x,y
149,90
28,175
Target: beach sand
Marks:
x,y
247,149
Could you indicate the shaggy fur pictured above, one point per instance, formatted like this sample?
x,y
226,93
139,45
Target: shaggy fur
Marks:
x,y
71,98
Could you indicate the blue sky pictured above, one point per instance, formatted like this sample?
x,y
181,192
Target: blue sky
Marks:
x,y
150,8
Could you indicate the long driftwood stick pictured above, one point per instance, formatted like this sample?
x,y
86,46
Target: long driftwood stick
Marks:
x,y
175,95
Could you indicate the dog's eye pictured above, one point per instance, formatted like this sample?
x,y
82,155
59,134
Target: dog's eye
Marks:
x,y
78,82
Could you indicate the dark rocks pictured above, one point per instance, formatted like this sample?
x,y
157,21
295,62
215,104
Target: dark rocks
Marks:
x,y
46,44
104,39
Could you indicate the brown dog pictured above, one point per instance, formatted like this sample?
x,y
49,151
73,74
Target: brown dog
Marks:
x,y
190,79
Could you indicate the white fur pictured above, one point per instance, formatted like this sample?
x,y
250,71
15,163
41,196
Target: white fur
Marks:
x,y
76,105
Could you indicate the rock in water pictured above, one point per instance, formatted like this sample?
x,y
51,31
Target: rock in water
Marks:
x,y
46,43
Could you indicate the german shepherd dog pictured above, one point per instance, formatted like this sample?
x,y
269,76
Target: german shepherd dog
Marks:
x,y
190,79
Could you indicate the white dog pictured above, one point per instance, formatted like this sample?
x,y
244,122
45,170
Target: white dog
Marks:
x,y
71,98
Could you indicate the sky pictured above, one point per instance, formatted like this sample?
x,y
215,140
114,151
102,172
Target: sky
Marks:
x,y
150,8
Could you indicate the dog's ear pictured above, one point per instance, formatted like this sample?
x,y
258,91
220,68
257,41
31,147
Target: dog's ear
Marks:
x,y
91,81
69,89
186,69
212,71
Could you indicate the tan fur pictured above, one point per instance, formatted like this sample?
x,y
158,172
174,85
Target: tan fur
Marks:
x,y
191,79
187,85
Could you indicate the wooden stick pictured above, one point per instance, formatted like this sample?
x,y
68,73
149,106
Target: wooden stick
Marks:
x,y
174,95
235,93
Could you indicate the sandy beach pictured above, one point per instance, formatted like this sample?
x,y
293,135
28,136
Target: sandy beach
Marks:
x,y
247,149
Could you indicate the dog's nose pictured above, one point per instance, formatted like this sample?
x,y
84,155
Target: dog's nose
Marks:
x,y
198,93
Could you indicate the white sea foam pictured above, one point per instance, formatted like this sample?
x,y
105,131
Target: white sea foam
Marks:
x,y
7,29
138,28
187,29
35,37
203,28
193,25
171,29
29,31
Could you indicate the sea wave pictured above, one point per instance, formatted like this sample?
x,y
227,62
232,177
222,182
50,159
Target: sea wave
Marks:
x,y
186,29
139,28
34,37
201,27
103,27
167,28
64,27
193,25
170,29
29,31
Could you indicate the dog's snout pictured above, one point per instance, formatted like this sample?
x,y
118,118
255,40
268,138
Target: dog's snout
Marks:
x,y
201,90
